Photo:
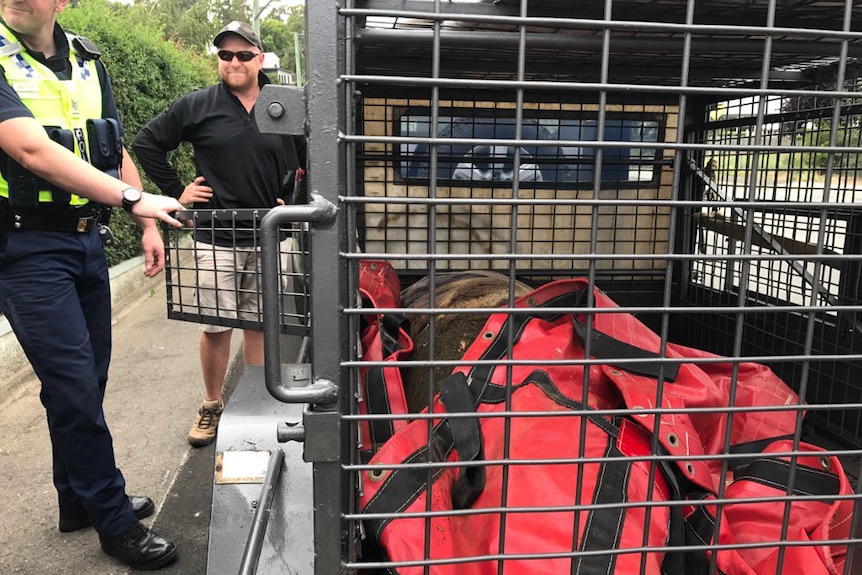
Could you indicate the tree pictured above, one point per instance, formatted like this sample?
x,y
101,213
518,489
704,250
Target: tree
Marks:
x,y
184,22
808,119
279,33
193,29
193,23
224,11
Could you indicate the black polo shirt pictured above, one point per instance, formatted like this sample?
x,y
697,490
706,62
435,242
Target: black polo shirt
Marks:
x,y
244,167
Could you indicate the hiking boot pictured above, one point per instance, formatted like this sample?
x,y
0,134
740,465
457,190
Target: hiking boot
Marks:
x,y
204,428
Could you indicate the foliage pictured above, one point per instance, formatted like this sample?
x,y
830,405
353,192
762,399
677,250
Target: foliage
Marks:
x,y
183,22
808,120
147,73
224,11
277,33
193,23
193,28
818,135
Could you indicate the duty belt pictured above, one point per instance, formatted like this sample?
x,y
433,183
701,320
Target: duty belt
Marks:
x,y
72,220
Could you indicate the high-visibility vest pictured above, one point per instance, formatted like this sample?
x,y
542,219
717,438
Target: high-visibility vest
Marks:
x,y
64,104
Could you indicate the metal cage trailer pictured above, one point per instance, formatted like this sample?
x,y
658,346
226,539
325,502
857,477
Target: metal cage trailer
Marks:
x,y
583,296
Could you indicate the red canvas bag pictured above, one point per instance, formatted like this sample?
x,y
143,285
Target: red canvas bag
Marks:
x,y
505,490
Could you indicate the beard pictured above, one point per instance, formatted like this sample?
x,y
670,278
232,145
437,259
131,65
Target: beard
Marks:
x,y
240,81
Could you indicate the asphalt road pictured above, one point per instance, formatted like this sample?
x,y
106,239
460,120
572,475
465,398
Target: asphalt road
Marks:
x,y
154,390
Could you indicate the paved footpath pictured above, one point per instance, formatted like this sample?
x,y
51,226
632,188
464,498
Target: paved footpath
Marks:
x,y
154,389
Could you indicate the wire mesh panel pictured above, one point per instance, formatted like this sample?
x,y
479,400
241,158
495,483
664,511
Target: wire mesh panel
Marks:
x,y
212,268
603,287
792,206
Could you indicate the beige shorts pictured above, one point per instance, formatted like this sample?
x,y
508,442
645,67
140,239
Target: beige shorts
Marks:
x,y
228,280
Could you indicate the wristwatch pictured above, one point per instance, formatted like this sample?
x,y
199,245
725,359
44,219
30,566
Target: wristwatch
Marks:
x,y
131,196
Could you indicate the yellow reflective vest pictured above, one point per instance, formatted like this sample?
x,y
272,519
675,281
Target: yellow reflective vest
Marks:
x,y
65,104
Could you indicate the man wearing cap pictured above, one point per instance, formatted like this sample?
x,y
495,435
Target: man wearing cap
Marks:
x,y
237,168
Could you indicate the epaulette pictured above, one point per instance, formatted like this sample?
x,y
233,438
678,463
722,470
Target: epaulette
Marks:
x,y
9,48
84,48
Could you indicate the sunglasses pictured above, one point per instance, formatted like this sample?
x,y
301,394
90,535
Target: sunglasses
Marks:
x,y
242,55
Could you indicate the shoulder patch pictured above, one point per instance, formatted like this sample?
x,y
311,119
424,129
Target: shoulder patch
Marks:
x,y
8,47
86,49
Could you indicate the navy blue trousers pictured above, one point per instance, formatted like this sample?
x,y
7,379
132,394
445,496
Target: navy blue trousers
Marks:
x,y
55,292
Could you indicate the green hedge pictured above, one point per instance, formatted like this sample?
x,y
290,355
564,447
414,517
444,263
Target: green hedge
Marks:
x,y
147,73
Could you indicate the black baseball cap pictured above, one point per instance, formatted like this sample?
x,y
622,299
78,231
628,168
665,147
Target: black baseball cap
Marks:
x,y
242,30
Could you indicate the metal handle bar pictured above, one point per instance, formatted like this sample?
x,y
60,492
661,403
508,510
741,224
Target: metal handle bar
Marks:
x,y
253,547
317,211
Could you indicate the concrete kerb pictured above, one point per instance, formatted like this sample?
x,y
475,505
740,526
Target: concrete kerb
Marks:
x,y
128,284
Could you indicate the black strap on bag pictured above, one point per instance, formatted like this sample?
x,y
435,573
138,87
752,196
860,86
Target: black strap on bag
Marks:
x,y
699,527
752,448
392,324
377,400
674,561
376,396
404,485
775,472
603,346
466,438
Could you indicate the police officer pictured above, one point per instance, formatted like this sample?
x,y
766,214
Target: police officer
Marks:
x,y
56,185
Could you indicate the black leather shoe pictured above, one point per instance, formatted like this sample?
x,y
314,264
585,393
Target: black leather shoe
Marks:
x,y
73,520
140,548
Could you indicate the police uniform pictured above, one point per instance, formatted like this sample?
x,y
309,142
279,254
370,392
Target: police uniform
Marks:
x,y
54,284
